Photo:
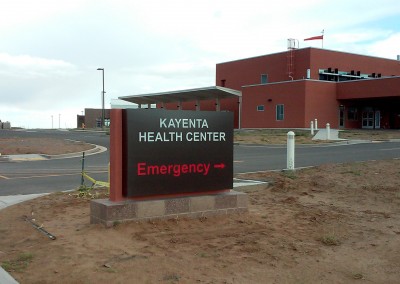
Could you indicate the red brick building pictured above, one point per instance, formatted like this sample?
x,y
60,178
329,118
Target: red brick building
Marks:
x,y
92,118
292,88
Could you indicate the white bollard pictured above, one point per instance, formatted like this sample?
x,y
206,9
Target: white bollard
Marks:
x,y
328,131
316,124
312,127
290,150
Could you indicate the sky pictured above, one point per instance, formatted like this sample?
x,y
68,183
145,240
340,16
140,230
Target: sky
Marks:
x,y
50,50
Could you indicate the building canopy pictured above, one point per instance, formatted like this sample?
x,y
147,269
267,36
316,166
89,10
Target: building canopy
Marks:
x,y
200,94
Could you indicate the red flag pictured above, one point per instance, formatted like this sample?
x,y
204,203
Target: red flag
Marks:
x,y
315,37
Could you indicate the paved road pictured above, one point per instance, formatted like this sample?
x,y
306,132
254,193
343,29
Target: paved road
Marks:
x,y
259,158
52,175
57,175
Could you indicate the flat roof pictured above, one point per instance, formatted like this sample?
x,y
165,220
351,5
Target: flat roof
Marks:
x,y
310,48
206,93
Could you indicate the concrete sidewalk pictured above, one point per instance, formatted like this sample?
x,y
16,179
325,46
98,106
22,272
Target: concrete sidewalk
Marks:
x,y
6,201
322,135
6,278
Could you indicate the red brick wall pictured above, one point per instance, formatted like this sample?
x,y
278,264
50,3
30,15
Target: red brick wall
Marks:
x,y
303,101
321,58
321,104
290,94
385,87
248,71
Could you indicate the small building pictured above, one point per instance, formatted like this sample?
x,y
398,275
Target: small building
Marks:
x,y
5,125
292,88
92,118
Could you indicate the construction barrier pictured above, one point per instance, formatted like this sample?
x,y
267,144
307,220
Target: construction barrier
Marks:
x,y
94,182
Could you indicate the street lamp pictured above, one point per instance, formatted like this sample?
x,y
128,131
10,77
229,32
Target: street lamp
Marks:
x,y
102,100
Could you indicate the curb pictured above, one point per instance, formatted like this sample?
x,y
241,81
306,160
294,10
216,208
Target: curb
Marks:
x,y
6,278
9,200
42,157
96,150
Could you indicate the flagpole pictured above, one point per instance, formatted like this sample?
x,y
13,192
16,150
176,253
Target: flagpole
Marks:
x,y
323,38
317,37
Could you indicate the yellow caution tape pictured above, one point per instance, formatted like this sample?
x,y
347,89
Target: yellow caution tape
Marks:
x,y
101,183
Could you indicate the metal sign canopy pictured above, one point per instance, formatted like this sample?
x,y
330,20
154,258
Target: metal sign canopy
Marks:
x,y
200,94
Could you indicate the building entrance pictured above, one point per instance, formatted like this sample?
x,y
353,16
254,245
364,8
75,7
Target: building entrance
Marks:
x,y
371,119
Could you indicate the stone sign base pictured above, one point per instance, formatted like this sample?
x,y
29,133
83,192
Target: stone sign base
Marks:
x,y
109,212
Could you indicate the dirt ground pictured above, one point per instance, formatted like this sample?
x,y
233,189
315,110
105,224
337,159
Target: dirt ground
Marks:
x,y
329,224
47,146
370,134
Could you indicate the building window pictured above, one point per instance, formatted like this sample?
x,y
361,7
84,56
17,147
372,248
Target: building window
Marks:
x,y
352,113
264,78
280,112
223,81
260,108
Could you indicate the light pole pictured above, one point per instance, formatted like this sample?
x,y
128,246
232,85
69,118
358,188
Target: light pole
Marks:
x,y
59,121
102,100
52,122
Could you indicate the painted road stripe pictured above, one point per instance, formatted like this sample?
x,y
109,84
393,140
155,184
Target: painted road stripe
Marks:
x,y
3,177
52,175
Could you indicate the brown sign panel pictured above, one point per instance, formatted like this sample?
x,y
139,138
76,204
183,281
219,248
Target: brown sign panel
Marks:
x,y
176,152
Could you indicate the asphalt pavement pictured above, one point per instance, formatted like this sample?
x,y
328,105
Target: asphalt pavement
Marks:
x,y
249,155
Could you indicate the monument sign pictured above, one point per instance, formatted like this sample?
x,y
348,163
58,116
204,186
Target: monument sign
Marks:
x,y
176,152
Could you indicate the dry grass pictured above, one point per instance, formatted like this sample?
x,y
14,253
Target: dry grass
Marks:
x,y
272,136
303,136
370,134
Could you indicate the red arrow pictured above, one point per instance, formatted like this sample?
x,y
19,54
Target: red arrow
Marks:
x,y
219,166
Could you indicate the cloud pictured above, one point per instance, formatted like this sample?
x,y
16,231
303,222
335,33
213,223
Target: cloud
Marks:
x,y
34,84
50,50
29,66
19,13
389,47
